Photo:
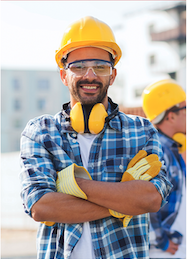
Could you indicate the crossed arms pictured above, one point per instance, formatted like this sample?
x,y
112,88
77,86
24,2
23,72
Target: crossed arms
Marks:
x,y
131,198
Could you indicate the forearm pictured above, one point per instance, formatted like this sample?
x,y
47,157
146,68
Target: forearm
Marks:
x,y
63,208
130,198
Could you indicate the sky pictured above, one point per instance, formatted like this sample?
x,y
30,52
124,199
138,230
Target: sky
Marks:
x,y
31,31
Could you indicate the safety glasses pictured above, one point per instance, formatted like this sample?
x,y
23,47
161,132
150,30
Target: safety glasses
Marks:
x,y
99,67
178,109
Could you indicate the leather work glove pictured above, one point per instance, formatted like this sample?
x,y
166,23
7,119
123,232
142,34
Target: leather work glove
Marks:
x,y
66,183
141,167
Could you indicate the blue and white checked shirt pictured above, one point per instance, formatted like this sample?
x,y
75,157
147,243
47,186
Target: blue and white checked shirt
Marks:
x,y
162,220
49,144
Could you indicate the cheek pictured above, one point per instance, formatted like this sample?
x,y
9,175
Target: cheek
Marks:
x,y
71,80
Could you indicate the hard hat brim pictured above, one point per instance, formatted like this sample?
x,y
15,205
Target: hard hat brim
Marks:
x,y
111,47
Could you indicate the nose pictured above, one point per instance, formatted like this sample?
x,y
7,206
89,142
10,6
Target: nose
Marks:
x,y
90,73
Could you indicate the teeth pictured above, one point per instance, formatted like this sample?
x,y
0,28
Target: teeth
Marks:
x,y
89,87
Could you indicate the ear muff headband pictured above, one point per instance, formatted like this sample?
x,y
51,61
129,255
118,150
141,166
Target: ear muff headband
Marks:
x,y
95,119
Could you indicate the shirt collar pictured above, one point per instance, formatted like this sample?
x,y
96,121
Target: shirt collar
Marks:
x,y
171,143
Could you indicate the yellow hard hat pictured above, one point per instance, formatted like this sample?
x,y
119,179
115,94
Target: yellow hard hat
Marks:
x,y
181,138
161,96
88,32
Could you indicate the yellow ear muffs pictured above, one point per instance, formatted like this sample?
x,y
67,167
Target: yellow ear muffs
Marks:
x,y
97,118
82,118
77,118
181,139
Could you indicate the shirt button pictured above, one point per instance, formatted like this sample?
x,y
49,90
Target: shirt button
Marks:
x,y
74,135
74,140
121,167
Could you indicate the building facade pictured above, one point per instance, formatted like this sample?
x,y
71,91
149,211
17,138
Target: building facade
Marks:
x,y
153,43
24,95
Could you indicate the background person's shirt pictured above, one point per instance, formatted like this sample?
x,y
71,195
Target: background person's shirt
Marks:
x,y
168,221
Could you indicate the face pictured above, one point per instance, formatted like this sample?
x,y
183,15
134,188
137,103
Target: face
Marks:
x,y
181,119
90,88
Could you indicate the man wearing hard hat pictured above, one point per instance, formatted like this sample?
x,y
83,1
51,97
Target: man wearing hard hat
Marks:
x,y
90,174
164,103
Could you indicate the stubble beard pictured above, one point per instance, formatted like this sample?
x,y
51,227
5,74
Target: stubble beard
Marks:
x,y
90,100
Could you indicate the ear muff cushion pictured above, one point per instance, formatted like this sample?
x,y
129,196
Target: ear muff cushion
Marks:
x,y
77,118
97,118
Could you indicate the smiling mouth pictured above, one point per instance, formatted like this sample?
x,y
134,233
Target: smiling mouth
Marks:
x,y
89,87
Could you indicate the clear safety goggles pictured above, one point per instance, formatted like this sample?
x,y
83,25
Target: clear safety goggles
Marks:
x,y
99,67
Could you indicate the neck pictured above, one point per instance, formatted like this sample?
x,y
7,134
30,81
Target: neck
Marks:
x,y
104,102
167,130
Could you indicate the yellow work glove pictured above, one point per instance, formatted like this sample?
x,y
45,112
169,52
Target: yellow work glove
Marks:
x,y
48,223
141,167
66,183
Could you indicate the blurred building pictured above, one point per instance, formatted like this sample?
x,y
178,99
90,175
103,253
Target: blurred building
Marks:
x,y
175,37
24,95
153,43
154,47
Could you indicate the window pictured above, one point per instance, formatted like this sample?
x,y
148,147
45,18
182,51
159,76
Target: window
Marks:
x,y
152,60
16,84
43,84
17,104
173,75
17,123
151,28
41,104
138,92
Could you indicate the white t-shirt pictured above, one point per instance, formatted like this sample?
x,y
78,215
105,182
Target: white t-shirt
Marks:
x,y
179,225
84,247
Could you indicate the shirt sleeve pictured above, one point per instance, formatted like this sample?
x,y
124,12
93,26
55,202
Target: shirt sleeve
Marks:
x,y
161,181
41,157
162,220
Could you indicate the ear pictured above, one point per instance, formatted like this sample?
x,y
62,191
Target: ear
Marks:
x,y
113,76
171,116
63,76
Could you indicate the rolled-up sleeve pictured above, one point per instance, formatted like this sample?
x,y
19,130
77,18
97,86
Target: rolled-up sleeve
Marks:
x,y
37,174
41,157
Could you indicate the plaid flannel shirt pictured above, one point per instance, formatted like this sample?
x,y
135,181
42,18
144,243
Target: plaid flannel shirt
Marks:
x,y
49,144
162,220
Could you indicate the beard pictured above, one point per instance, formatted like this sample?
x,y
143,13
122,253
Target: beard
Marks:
x,y
90,100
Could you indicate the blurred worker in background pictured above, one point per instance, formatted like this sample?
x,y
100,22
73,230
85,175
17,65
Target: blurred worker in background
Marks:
x,y
164,104
74,165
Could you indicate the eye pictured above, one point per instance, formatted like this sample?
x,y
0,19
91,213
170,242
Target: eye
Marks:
x,y
100,67
77,66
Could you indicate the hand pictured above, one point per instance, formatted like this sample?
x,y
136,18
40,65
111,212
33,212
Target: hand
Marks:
x,y
172,249
66,183
141,167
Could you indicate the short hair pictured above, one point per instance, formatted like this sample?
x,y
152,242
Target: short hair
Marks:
x,y
172,109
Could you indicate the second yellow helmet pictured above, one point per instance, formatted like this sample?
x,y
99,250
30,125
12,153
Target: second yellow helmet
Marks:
x,y
161,96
